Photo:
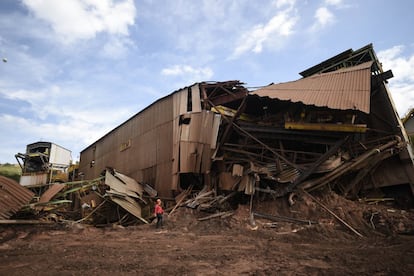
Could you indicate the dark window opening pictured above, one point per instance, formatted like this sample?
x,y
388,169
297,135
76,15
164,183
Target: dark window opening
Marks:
x,y
188,179
189,100
184,120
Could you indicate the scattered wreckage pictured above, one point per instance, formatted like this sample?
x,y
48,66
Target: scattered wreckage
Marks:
x,y
212,144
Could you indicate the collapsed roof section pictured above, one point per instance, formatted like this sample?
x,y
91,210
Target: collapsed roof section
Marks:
x,y
344,89
311,132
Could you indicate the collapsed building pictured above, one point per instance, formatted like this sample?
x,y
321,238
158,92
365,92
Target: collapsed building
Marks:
x,y
336,125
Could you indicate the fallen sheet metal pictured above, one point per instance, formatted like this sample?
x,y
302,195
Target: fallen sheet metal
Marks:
x,y
51,192
123,185
124,191
130,205
12,197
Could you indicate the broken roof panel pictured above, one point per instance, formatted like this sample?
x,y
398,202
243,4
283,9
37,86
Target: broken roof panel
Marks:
x,y
12,197
344,89
51,192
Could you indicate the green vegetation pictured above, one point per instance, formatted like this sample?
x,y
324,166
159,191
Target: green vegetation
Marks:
x,y
12,171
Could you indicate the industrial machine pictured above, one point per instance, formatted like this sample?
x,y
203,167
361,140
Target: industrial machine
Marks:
x,y
44,163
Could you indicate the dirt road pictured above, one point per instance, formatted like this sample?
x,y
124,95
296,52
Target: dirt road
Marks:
x,y
187,246
140,250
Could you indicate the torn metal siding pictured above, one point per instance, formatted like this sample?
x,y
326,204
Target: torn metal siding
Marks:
x,y
196,142
124,191
12,197
122,184
345,89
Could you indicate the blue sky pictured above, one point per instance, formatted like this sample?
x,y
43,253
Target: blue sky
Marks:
x,y
78,68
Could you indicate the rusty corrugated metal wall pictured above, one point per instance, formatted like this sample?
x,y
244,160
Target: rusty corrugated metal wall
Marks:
x,y
148,145
129,148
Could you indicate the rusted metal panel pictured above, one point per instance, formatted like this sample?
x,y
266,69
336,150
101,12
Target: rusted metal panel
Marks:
x,y
183,95
345,89
163,178
188,156
33,179
195,142
176,145
51,192
214,131
130,206
121,184
12,197
206,159
195,98
164,143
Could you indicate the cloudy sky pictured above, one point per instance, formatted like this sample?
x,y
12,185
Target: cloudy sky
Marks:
x,y
78,68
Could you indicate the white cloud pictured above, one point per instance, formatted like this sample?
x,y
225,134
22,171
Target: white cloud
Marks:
x,y
188,72
55,115
402,84
270,35
71,134
84,19
324,17
62,105
402,66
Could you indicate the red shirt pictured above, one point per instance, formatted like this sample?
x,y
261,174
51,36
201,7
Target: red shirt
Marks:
x,y
158,209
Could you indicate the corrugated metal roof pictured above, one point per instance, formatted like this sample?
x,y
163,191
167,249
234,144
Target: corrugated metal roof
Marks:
x,y
13,197
343,89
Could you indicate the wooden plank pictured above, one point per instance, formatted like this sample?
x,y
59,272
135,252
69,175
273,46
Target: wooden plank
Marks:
x,y
181,197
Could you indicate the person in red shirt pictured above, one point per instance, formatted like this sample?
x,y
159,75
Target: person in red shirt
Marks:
x,y
158,213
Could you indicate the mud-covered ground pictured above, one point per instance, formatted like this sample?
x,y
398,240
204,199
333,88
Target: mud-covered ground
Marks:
x,y
222,246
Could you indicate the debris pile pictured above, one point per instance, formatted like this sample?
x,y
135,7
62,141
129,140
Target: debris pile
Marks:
x,y
214,146
112,197
117,199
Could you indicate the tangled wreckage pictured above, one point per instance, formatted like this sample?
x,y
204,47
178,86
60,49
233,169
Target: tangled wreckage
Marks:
x,y
213,143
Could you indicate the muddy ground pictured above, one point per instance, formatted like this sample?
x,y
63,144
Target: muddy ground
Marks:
x,y
223,246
